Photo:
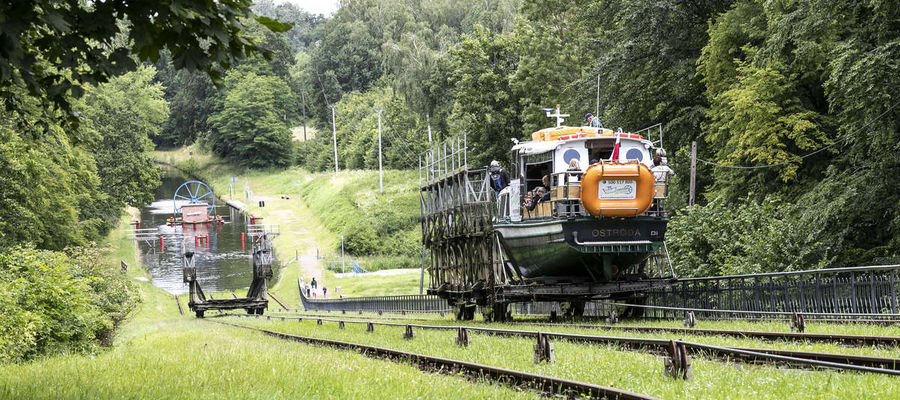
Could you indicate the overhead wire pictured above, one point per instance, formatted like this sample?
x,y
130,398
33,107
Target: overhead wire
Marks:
x,y
799,158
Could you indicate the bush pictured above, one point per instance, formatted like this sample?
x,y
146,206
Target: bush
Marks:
x,y
721,238
372,222
59,301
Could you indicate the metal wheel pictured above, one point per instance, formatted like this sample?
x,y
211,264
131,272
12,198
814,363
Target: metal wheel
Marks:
x,y
194,192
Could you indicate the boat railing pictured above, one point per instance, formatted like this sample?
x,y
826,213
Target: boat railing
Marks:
x,y
565,199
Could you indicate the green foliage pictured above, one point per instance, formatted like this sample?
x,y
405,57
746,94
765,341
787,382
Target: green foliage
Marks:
x,y
372,222
52,49
123,114
720,239
250,129
52,302
301,34
356,120
48,190
552,40
484,104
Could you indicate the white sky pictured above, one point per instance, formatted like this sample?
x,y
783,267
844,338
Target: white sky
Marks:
x,y
326,7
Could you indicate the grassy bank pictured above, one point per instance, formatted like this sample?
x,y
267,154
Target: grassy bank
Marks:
x,y
160,354
328,206
610,366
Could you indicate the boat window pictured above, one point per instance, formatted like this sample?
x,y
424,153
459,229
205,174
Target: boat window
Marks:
x,y
536,166
599,149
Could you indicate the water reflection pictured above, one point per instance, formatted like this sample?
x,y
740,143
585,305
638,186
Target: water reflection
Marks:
x,y
221,263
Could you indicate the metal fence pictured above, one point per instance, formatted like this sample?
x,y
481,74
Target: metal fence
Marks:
x,y
412,303
857,292
854,292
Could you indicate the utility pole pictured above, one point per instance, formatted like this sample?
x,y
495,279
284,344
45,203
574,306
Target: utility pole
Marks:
x,y
693,172
597,113
380,181
334,137
428,119
303,99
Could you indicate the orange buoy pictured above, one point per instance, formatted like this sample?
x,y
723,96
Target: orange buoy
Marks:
x,y
617,190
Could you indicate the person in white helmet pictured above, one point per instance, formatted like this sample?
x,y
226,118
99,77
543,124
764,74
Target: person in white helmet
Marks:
x,y
499,177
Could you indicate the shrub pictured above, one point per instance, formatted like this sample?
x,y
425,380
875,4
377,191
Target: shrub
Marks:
x,y
59,301
722,238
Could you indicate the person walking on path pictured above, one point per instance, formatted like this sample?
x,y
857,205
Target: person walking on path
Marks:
x,y
313,283
324,292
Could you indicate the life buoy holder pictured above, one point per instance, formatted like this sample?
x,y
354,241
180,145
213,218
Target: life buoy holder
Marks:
x,y
617,189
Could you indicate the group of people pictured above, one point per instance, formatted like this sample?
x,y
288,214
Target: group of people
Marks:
x,y
499,178
311,289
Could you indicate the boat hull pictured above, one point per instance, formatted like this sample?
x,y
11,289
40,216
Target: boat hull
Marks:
x,y
587,249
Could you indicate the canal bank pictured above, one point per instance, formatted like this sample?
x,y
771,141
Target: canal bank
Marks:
x,y
159,354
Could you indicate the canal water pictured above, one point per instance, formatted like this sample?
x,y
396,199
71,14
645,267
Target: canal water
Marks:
x,y
221,263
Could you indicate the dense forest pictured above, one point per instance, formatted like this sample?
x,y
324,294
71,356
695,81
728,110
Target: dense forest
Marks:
x,y
793,106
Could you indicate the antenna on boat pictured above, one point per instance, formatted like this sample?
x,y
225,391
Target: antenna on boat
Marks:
x,y
559,117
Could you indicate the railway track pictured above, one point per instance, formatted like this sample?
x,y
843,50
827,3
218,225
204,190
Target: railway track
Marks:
x,y
851,340
882,365
546,385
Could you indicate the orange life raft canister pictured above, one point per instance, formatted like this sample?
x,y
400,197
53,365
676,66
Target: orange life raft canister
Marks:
x,y
617,190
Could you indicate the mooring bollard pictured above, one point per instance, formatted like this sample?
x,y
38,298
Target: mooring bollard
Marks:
x,y
340,324
462,337
613,317
543,350
553,316
678,363
408,333
798,324
319,321
689,320
370,327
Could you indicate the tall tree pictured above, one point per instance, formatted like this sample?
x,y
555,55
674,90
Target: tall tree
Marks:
x,y
124,114
484,106
52,48
250,128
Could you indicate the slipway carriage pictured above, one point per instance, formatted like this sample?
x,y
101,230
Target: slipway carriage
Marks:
x,y
597,233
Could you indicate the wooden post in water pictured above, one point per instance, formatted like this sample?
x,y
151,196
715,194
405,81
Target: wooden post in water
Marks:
x,y
693,173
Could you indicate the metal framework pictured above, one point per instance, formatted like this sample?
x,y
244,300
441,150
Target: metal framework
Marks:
x,y
840,293
858,291
257,296
457,208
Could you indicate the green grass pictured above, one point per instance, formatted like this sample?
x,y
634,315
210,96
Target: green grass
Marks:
x,y
303,231
187,358
367,285
607,365
160,354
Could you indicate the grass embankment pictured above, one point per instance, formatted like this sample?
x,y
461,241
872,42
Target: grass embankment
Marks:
x,y
330,204
607,365
160,354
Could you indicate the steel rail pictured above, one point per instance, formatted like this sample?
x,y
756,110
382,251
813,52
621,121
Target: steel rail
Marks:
x,y
546,385
775,336
853,340
713,310
883,365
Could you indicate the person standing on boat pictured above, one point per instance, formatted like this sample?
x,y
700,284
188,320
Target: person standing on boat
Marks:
x,y
499,177
661,173
592,121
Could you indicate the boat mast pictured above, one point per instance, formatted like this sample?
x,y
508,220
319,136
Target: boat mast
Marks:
x,y
559,117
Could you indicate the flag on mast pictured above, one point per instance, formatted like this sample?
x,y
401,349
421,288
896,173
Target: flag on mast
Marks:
x,y
615,152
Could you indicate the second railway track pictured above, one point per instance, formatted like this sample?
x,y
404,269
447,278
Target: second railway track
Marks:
x,y
881,365
546,385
